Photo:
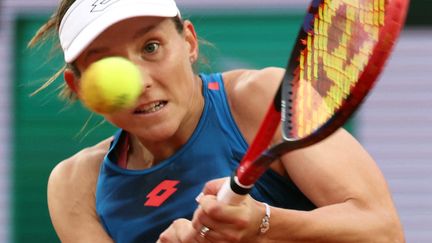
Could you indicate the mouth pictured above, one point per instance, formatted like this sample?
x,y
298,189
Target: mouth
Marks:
x,y
150,108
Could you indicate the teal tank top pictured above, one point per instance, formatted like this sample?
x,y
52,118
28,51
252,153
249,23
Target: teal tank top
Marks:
x,y
138,205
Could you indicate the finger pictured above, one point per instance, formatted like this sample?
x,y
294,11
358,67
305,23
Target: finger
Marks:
x,y
184,231
200,219
168,235
208,234
180,231
225,234
219,231
222,212
212,187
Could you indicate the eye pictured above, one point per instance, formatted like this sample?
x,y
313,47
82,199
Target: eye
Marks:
x,y
151,48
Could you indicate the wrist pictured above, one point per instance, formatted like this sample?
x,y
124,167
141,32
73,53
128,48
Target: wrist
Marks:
x,y
265,221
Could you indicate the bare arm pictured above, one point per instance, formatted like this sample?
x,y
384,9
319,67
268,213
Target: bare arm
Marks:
x,y
337,175
354,204
71,197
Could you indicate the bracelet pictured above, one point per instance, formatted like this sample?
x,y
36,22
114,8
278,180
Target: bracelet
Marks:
x,y
265,222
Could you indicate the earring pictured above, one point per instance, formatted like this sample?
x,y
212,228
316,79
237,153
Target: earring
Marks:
x,y
192,59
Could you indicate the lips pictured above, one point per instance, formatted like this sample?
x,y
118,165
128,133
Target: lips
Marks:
x,y
150,108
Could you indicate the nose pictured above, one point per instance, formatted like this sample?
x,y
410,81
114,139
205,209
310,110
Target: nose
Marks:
x,y
146,78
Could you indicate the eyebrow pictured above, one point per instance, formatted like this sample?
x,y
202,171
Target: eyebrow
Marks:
x,y
94,51
138,34
143,31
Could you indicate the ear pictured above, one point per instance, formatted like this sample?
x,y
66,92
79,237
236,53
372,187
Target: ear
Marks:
x,y
70,80
191,39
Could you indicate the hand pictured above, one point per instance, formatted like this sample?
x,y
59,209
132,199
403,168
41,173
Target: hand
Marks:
x,y
227,223
180,231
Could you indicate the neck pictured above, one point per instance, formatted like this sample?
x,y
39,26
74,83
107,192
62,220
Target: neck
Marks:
x,y
145,154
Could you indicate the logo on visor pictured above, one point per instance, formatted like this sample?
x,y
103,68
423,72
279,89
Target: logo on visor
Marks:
x,y
101,5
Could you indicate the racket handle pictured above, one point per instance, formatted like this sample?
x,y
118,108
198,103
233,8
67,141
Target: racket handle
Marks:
x,y
232,192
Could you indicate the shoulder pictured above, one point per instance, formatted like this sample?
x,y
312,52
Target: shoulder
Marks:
x,y
84,163
249,94
74,180
239,81
71,195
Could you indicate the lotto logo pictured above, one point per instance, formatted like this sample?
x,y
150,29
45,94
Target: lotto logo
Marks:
x,y
161,193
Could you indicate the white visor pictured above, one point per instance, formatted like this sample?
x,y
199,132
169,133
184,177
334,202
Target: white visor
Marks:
x,y
86,19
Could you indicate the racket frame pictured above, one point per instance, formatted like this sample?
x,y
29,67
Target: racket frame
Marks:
x,y
258,158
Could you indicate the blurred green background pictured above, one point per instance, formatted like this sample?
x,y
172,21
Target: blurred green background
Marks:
x,y
47,130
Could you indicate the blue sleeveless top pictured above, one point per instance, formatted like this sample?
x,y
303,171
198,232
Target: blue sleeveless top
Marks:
x,y
138,205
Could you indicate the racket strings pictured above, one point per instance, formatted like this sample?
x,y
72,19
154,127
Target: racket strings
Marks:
x,y
336,51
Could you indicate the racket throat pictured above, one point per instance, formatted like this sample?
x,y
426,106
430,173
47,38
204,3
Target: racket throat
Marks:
x,y
237,187
248,173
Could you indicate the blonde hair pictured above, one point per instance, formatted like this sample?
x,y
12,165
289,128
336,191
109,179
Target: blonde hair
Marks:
x,y
47,31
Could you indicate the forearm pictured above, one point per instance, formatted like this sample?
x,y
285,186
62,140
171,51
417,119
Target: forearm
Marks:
x,y
344,222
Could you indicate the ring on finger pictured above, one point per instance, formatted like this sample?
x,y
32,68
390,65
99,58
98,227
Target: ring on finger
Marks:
x,y
203,231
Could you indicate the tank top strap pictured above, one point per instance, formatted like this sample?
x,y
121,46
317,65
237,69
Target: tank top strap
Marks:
x,y
215,93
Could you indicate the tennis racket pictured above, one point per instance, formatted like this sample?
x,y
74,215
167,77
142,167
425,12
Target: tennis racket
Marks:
x,y
340,50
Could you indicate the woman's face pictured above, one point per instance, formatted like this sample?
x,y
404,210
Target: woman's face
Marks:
x,y
167,106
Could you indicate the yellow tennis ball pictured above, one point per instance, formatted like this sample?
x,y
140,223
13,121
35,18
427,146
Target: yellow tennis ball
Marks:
x,y
110,84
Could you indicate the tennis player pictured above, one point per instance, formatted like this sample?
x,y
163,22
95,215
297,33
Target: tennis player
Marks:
x,y
141,184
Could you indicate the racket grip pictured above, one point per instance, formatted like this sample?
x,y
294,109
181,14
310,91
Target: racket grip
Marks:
x,y
232,192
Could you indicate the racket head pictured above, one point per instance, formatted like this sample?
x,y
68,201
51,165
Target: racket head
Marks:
x,y
340,51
